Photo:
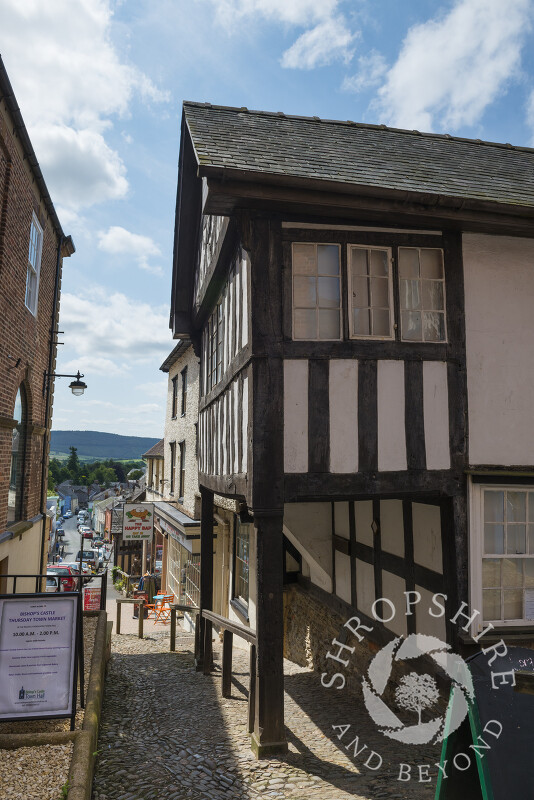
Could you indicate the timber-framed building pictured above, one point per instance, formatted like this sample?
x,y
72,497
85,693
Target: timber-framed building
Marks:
x,y
360,299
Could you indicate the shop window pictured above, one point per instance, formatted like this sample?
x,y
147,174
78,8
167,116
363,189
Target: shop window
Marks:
x,y
241,562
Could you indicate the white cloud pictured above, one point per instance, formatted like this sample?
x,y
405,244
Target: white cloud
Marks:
x,y
330,40
119,241
96,365
156,389
371,70
451,68
109,325
327,39
294,12
69,81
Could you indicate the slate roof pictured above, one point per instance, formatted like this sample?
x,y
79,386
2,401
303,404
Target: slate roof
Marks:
x,y
156,451
275,144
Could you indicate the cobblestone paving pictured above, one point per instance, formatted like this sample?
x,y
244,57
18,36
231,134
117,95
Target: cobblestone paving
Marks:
x,y
168,734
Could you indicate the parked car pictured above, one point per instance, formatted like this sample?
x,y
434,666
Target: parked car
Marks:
x,y
88,556
87,572
67,515
53,583
66,575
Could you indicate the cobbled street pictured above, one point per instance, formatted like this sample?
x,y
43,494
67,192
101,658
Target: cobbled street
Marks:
x,y
168,734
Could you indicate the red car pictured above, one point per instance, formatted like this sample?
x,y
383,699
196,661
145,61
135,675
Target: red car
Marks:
x,y
69,581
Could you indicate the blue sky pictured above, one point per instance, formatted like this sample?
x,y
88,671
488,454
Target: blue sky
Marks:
x,y
100,85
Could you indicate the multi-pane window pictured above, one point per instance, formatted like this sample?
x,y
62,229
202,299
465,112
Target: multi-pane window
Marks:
x,y
422,294
174,397
181,476
184,390
370,288
508,555
215,347
393,292
173,466
34,266
241,561
316,291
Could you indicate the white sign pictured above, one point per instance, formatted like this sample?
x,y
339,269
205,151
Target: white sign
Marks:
x,y
37,652
138,522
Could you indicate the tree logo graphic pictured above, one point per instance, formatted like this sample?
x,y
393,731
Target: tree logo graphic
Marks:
x,y
417,692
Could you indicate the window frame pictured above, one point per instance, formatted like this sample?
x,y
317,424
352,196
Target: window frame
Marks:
x,y
174,406
391,279
34,269
317,307
181,471
238,601
420,280
183,375
172,480
392,240
476,550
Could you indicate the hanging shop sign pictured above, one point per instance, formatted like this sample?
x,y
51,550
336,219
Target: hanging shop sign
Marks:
x,y
39,638
138,522
116,521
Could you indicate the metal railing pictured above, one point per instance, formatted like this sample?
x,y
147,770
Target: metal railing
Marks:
x,y
40,583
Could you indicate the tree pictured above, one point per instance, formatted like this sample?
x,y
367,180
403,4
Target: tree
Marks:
x,y
73,465
416,692
135,474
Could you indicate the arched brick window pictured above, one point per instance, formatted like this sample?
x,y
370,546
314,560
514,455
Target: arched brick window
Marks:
x,y
18,449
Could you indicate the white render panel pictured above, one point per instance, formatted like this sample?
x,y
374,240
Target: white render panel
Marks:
x,y
427,547
365,586
391,424
393,588
238,305
392,527
231,312
295,415
436,415
309,527
499,299
343,589
225,422
236,426
426,624
363,515
343,391
244,465
341,520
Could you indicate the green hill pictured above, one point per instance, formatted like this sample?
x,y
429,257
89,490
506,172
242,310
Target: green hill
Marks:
x,y
95,445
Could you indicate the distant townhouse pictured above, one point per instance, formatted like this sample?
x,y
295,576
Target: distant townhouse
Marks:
x,y
361,301
32,248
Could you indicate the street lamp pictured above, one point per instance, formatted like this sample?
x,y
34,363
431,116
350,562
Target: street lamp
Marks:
x,y
77,386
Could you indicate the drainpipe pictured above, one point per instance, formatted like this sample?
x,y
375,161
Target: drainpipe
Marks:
x,y
51,355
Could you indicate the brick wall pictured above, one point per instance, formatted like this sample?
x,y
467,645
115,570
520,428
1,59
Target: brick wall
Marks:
x,y
24,338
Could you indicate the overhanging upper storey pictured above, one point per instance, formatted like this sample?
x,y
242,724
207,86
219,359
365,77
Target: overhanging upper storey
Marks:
x,y
306,168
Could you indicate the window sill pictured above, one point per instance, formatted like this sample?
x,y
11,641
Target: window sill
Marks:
x,y
240,607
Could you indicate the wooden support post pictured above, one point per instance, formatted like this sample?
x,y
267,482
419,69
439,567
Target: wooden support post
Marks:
x,y
269,730
119,604
206,573
208,654
228,638
141,618
197,637
173,630
252,689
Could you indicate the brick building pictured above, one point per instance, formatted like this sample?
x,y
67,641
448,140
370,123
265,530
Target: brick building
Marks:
x,y
32,247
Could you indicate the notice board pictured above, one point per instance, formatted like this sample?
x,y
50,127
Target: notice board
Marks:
x,y
39,637
506,768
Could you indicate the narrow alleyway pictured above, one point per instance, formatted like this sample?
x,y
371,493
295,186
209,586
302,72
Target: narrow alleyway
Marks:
x,y
168,734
